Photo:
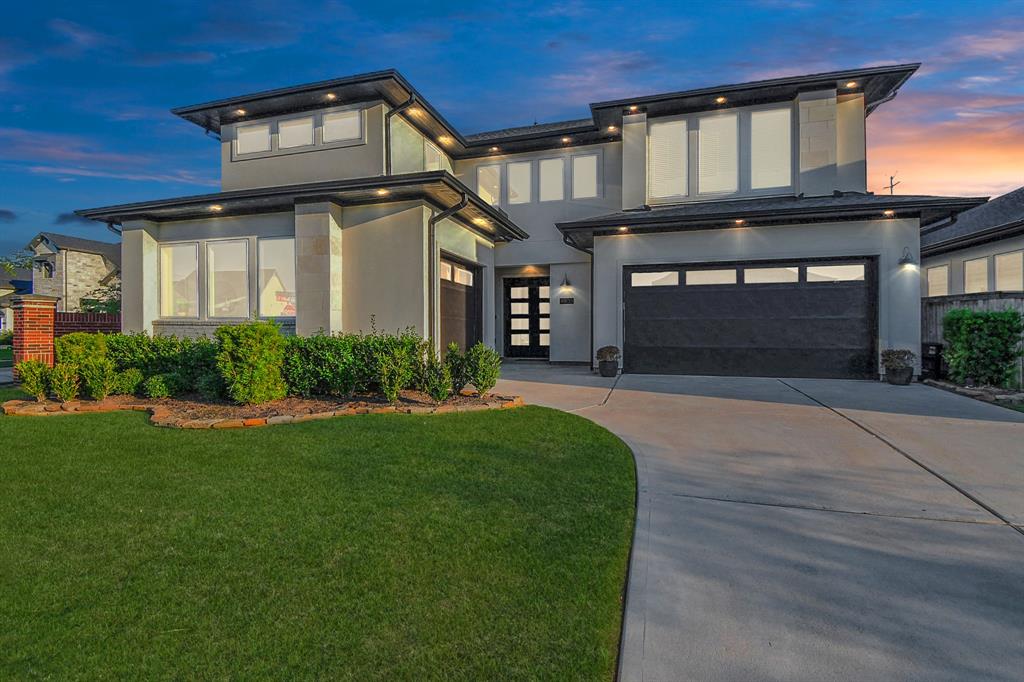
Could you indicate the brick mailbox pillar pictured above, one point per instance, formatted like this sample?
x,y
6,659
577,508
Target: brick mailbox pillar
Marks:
x,y
33,328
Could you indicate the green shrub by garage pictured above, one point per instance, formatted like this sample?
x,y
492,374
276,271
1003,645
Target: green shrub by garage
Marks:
x,y
982,346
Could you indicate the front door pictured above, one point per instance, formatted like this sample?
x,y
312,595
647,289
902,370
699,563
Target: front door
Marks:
x,y
527,317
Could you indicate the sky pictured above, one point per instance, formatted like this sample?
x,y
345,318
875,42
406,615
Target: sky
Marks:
x,y
85,87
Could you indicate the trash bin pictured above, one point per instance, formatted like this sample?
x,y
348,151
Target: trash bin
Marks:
x,y
931,361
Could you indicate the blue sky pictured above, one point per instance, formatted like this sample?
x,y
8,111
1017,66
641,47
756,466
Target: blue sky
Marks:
x,y
85,88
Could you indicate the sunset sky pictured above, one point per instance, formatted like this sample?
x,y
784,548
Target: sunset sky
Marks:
x,y
85,88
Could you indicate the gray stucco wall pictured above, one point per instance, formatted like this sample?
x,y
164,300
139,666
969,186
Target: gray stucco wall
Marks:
x,y
899,323
955,261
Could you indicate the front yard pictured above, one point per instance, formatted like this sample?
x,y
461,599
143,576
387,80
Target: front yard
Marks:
x,y
462,546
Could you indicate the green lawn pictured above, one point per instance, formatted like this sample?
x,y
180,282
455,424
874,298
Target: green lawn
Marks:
x,y
463,546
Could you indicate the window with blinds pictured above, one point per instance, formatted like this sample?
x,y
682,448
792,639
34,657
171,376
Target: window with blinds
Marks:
x,y
976,276
938,280
717,154
1010,271
667,160
770,149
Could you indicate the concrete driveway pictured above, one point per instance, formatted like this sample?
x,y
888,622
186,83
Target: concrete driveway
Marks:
x,y
806,529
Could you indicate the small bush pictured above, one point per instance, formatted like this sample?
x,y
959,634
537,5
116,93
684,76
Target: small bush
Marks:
x,y
34,377
322,365
437,377
982,346
99,376
483,365
64,381
250,361
157,386
608,353
457,368
896,359
80,347
211,386
395,368
131,351
128,382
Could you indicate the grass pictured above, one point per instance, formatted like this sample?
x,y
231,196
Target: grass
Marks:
x,y
463,546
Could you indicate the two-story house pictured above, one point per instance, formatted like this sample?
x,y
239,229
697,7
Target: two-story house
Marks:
x,y
725,230
72,268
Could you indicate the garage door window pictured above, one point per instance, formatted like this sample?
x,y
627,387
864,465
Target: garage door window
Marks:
x,y
701,277
835,273
654,279
771,275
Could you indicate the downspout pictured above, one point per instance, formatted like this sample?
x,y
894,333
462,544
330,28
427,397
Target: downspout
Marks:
x,y
116,230
432,261
387,130
590,252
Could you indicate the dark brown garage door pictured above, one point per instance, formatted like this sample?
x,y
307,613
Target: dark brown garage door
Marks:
x,y
780,318
461,304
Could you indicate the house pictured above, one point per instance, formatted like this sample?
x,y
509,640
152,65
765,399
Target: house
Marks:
x,y
721,230
12,284
71,268
979,251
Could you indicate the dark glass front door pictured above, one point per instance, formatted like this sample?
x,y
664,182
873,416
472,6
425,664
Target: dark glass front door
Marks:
x,y
527,317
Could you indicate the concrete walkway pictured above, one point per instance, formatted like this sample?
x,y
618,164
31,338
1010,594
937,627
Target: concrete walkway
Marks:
x,y
812,529
6,375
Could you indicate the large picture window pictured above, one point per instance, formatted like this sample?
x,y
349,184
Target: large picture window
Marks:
x,y
227,278
179,280
770,149
276,288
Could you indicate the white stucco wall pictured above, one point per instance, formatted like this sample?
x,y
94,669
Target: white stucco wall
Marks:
x,y
899,323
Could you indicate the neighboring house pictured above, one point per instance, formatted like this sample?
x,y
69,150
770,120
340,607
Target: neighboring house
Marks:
x,y
723,230
12,284
71,267
979,251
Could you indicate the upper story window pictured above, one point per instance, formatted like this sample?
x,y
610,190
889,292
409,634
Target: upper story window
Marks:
x,y
519,182
295,132
286,135
488,183
584,176
250,139
343,125
513,182
711,155
552,179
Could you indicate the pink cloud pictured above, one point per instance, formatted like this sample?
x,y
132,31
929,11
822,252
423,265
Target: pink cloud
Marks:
x,y
18,144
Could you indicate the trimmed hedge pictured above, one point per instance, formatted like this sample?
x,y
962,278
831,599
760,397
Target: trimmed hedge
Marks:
x,y
250,359
982,346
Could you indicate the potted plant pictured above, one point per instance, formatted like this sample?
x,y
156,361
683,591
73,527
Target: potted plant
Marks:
x,y
899,366
608,360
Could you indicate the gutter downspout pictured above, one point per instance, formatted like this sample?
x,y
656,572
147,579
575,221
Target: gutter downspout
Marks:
x,y
116,230
590,252
432,262
387,130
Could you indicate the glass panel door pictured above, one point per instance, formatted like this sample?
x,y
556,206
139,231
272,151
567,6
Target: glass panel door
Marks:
x,y
527,317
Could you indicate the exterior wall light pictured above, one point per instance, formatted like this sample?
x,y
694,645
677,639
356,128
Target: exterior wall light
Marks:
x,y
907,259
566,284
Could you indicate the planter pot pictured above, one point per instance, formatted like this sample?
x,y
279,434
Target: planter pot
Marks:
x,y
608,368
899,377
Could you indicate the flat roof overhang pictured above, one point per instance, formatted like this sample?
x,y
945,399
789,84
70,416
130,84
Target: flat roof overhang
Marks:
x,y
992,234
440,189
763,213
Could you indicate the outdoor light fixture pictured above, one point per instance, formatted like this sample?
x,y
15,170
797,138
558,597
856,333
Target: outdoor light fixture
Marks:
x,y
851,84
612,129
239,112
720,100
633,107
415,111
383,192
907,259
330,96
566,284
494,149
740,221
623,229
566,140
481,222
216,208
888,213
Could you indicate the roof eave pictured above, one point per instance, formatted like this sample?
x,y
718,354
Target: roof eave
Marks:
x,y
1003,231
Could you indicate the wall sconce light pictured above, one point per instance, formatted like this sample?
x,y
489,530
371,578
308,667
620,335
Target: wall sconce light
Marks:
x,y
907,259
566,284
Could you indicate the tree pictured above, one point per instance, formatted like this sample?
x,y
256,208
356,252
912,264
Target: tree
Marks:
x,y
105,298
16,260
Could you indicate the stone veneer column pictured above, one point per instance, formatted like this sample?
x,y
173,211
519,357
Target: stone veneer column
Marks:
x,y
140,278
817,142
634,161
318,261
33,328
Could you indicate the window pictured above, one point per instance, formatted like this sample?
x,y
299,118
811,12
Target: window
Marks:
x,y
252,139
297,132
552,179
584,176
770,149
1010,271
654,279
666,159
519,183
343,125
938,280
488,184
717,154
463,277
976,276
227,278
446,271
277,277
835,273
771,275
431,157
698,277
179,280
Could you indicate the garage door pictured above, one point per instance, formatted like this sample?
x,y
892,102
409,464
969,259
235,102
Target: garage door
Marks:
x,y
461,304
780,318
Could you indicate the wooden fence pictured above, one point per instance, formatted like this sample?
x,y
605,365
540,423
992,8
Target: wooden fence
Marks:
x,y
934,308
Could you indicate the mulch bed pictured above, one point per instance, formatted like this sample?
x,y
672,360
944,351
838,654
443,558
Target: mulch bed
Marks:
x,y
192,412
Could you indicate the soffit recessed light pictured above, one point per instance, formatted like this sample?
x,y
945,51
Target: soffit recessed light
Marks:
x,y
445,140
623,229
383,192
494,149
330,96
216,208
415,111
482,222
612,129
566,140
740,221
240,112
888,213
721,99
851,84
633,107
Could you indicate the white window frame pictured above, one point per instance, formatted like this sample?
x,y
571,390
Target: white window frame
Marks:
x,y
598,173
928,282
508,182
318,140
500,199
312,133
206,273
256,276
200,284
540,165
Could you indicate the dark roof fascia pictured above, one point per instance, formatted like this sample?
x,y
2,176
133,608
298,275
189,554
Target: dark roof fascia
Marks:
x,y
311,192
992,234
80,244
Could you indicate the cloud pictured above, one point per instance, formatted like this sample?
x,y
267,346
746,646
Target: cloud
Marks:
x,y
177,177
77,38
172,57
7,216
19,144
599,75
72,219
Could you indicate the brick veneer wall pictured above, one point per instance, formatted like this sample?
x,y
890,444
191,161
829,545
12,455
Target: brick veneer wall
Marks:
x,y
67,323
33,328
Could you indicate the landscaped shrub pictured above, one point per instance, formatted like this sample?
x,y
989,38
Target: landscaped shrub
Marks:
x,y
128,382
483,365
80,347
457,368
211,386
134,350
98,375
395,365
7,337
321,365
370,349
64,381
34,377
158,386
250,360
437,377
982,345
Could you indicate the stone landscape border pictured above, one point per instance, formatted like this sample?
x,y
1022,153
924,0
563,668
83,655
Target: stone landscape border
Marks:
x,y
988,394
163,415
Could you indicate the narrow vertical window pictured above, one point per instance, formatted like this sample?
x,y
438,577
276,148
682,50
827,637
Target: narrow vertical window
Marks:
x,y
253,138
552,179
584,176
488,184
431,157
227,278
519,181
277,277
770,149
938,280
718,154
179,280
666,160
976,276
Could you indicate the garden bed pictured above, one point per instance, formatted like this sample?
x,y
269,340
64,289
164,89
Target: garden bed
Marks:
x,y
989,394
192,412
